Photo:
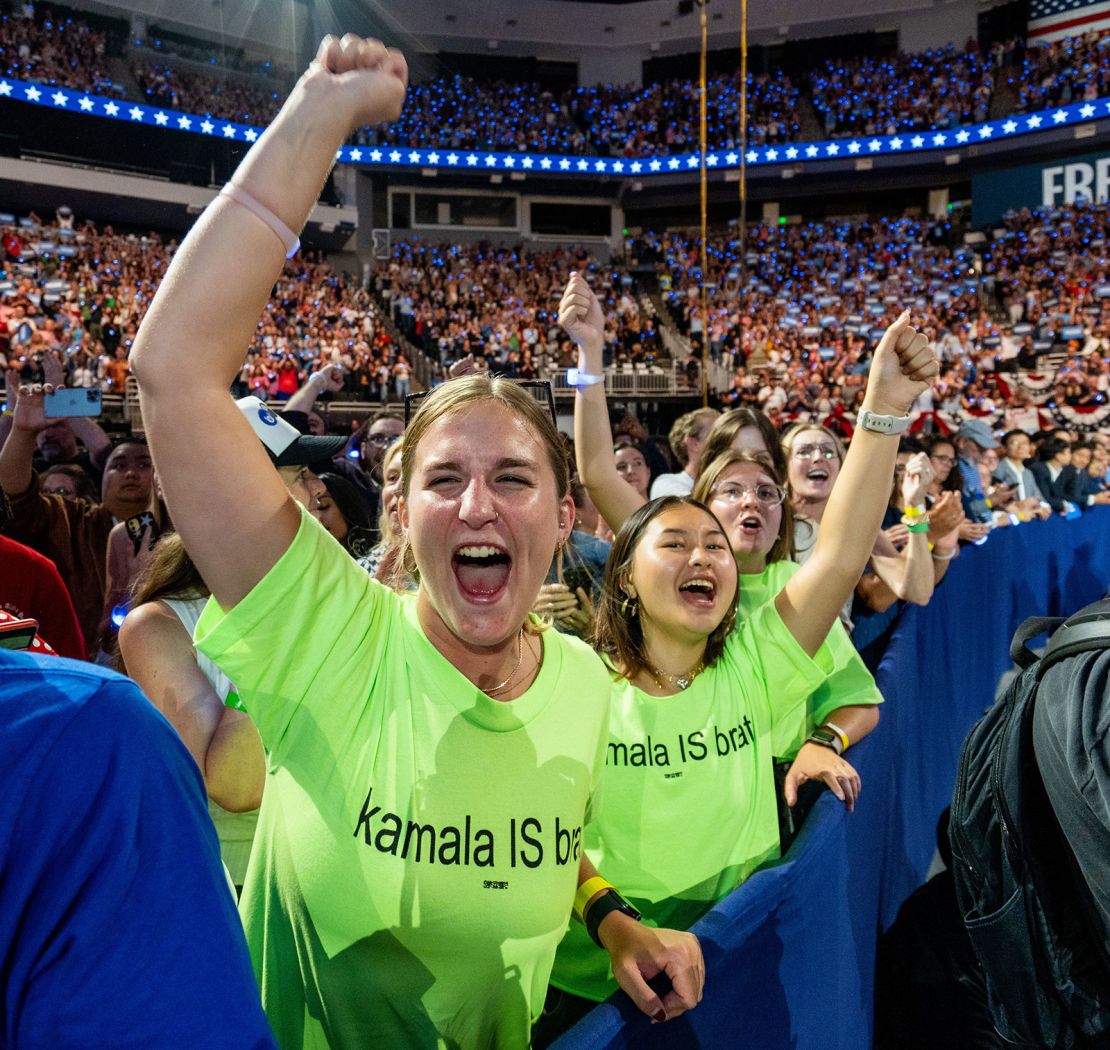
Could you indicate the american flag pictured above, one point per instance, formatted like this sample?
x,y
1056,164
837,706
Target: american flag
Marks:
x,y
1055,19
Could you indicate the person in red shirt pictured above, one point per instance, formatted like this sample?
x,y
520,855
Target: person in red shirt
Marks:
x,y
31,588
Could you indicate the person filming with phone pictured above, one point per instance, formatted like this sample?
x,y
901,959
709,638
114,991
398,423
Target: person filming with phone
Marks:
x,y
73,533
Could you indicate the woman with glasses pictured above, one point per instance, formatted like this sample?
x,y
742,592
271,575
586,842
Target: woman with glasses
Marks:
x,y
702,700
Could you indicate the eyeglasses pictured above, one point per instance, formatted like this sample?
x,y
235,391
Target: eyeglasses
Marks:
x,y
814,452
766,493
385,440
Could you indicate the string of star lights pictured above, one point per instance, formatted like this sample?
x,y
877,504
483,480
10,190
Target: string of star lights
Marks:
x,y
793,153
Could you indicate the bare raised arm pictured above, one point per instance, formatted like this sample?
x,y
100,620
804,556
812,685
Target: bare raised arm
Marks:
x,y
581,317
903,364
232,510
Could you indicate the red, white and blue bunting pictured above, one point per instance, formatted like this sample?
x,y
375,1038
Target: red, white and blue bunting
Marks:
x,y
805,153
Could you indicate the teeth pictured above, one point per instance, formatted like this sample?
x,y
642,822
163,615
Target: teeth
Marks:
x,y
701,585
479,552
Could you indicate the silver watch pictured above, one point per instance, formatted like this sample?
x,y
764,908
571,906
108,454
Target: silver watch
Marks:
x,y
882,424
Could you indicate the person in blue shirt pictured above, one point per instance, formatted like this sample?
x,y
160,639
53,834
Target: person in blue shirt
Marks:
x,y
117,925
972,439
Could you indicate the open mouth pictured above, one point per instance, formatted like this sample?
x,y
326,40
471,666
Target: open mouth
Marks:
x,y
482,570
751,525
818,474
699,591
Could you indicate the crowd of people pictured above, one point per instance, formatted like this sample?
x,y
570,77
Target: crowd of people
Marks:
x,y
418,669
938,88
501,303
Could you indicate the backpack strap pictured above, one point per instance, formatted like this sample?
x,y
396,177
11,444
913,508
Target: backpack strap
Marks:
x,y
1088,630
1029,629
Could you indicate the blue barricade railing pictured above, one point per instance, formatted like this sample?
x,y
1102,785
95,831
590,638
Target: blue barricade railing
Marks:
x,y
791,954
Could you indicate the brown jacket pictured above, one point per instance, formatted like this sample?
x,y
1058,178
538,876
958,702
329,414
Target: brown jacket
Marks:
x,y
73,534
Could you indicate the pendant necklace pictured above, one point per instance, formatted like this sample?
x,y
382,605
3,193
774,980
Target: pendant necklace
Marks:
x,y
680,681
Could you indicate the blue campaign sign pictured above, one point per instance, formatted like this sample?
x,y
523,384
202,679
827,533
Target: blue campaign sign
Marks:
x,y
1055,182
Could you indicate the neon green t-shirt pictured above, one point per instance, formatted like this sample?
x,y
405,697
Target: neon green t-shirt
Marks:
x,y
418,844
849,684
688,807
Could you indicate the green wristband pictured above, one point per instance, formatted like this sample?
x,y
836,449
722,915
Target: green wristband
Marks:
x,y
920,527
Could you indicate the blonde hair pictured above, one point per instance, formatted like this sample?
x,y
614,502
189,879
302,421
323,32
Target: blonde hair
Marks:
x,y
384,526
457,394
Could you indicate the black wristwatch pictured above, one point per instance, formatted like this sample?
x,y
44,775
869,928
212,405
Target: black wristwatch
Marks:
x,y
609,901
825,738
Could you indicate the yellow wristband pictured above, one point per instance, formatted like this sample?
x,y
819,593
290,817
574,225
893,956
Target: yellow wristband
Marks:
x,y
586,891
915,512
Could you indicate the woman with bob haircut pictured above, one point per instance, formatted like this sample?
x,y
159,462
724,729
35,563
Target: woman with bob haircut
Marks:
x,y
431,757
696,691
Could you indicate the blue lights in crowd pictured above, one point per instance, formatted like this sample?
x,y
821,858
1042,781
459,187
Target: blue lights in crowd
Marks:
x,y
795,153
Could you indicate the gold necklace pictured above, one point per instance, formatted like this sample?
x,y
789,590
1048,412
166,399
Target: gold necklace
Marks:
x,y
519,656
681,681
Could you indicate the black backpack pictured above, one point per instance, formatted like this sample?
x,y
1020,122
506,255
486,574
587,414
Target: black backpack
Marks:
x,y
1022,899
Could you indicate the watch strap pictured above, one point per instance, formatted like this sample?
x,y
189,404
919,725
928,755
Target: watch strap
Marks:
x,y
609,901
880,424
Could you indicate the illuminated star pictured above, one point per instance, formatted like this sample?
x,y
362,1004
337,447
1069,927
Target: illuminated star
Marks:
x,y
135,113
583,165
874,145
229,131
161,119
751,156
832,149
452,158
772,154
545,163
207,126
1059,116
59,98
939,139
1010,127
963,135
564,164
356,155
792,153
636,167
896,143
184,123
111,108
1087,111
490,160
854,147
1034,121
811,151
414,157
618,166
5,88
375,155
471,160
986,131
433,158
33,94
395,157
85,103
673,163
731,158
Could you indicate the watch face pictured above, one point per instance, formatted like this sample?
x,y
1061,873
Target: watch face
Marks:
x,y
823,735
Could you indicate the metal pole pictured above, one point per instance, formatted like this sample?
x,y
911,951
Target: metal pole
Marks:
x,y
703,141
